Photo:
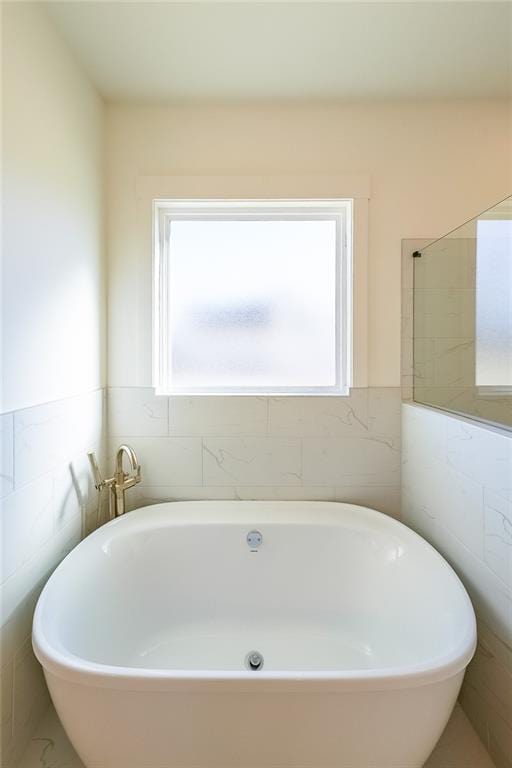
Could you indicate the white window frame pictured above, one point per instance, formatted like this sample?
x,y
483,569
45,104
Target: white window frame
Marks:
x,y
338,210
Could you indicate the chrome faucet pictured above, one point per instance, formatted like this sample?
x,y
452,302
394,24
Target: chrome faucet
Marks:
x,y
121,480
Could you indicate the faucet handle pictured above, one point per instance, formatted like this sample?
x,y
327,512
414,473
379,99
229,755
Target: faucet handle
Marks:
x,y
99,482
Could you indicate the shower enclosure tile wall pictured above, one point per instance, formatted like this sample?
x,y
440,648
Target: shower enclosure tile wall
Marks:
x,y
327,448
457,490
457,493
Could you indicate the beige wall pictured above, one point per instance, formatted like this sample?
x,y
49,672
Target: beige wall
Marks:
x,y
53,337
53,297
431,166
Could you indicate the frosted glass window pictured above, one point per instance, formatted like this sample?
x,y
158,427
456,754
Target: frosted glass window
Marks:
x,y
252,299
494,303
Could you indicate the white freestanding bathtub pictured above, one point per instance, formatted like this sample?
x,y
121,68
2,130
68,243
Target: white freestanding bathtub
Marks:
x,y
362,629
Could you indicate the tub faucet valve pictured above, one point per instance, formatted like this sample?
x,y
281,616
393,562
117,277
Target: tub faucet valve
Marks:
x,y
120,481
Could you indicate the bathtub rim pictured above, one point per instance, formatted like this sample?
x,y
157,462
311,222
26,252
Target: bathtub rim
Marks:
x,y
72,668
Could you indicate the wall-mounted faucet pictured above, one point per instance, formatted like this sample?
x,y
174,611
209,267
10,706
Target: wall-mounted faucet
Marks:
x,y
121,480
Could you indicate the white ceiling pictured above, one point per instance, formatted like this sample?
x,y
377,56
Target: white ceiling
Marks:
x,y
166,51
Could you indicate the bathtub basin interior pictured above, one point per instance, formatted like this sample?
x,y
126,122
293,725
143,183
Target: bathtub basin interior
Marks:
x,y
175,589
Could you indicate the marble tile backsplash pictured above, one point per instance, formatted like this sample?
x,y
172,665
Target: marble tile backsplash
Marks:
x,y
47,502
457,493
326,448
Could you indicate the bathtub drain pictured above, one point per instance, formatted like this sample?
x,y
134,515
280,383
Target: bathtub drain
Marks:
x,y
254,661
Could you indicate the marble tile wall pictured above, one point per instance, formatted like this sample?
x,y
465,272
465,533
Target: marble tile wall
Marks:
x,y
47,504
320,448
457,493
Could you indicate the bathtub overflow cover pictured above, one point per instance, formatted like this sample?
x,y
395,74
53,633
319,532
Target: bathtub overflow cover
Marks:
x,y
254,661
254,540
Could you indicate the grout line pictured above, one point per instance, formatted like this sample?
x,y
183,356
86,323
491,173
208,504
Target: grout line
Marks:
x,y
56,400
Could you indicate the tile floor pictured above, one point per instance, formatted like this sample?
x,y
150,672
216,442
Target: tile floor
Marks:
x,y
459,746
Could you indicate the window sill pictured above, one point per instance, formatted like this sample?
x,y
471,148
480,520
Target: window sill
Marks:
x,y
344,392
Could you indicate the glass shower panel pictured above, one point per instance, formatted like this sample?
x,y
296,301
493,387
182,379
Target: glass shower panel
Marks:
x,y
462,339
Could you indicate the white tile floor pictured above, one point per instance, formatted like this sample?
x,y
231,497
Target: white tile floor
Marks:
x,y
459,747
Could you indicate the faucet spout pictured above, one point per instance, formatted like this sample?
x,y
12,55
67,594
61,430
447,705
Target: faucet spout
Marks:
x,y
132,458
121,480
